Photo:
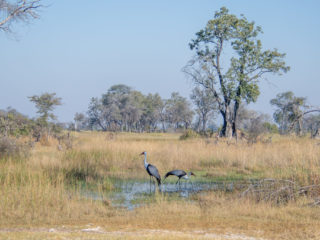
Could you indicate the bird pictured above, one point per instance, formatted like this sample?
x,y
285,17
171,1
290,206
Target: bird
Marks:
x,y
180,174
151,170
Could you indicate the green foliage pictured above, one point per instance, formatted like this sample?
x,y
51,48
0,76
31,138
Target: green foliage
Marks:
x,y
289,111
107,184
13,123
42,128
124,109
178,111
271,127
240,81
46,103
205,106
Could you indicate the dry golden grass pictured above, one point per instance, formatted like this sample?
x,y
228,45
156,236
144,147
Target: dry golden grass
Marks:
x,y
36,192
105,154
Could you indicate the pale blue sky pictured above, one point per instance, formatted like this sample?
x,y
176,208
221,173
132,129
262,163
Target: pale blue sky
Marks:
x,y
80,48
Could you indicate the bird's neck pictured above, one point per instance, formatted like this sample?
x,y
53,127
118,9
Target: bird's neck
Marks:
x,y
145,161
188,175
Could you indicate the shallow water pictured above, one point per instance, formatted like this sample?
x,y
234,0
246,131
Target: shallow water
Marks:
x,y
129,194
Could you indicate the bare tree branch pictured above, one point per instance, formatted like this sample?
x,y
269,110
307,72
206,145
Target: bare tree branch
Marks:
x,y
21,10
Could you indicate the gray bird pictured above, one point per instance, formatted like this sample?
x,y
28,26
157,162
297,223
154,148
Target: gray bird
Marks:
x,y
151,170
180,174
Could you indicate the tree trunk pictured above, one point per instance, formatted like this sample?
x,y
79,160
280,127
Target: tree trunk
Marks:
x,y
235,115
316,134
204,123
226,130
163,127
300,127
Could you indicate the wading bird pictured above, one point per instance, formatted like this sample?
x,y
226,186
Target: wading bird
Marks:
x,y
152,170
180,174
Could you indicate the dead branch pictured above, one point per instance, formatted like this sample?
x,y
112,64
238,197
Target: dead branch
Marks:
x,y
280,191
21,10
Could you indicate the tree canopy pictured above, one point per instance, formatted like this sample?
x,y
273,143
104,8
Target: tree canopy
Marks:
x,y
237,81
46,103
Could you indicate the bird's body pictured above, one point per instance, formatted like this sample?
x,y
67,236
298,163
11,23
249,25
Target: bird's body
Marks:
x,y
151,170
180,174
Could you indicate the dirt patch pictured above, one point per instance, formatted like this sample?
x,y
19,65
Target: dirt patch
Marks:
x,y
97,232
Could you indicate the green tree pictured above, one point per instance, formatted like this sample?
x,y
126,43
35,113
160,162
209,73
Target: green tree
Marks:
x,y
80,121
237,81
98,114
178,111
13,123
152,111
289,112
45,103
205,105
312,124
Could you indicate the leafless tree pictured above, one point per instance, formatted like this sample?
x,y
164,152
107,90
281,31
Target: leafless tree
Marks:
x,y
18,11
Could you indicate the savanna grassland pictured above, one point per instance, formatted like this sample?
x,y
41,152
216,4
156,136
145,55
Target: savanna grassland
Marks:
x,y
40,194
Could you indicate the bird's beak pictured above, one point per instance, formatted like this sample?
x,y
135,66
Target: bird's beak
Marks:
x,y
193,174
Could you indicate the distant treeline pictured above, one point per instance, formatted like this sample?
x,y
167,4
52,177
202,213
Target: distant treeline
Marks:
x,y
123,109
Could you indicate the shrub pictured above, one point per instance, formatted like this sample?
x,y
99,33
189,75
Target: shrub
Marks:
x,y
189,133
9,147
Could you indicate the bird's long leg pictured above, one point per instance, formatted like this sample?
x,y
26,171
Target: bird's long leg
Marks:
x,y
178,182
150,184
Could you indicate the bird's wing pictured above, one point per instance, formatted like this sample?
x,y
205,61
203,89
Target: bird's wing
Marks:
x,y
177,173
152,170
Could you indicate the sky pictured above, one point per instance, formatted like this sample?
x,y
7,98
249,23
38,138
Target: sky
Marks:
x,y
80,48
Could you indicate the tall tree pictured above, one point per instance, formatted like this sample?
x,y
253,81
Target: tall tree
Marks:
x,y
312,124
248,62
152,111
289,112
97,114
45,103
205,105
18,11
116,101
80,121
178,111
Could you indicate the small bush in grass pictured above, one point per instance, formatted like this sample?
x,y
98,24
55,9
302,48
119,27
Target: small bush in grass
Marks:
x,y
189,133
10,147
107,184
